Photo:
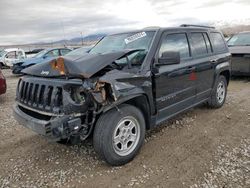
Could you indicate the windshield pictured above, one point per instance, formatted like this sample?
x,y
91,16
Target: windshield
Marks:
x,y
242,39
79,51
40,54
119,42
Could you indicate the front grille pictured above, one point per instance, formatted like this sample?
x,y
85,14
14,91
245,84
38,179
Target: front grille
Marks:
x,y
45,96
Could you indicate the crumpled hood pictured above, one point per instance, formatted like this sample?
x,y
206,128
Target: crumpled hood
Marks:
x,y
239,49
84,66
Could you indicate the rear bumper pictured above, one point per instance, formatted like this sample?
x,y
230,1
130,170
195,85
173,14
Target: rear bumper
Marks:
x,y
55,129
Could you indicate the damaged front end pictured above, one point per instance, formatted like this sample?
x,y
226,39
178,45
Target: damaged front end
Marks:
x,y
57,109
61,100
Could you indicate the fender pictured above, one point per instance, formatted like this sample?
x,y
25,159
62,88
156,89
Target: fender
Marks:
x,y
226,66
143,105
122,100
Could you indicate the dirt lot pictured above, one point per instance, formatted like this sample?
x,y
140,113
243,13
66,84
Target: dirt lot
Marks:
x,y
201,148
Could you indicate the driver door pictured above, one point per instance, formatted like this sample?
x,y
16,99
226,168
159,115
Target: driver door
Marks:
x,y
175,89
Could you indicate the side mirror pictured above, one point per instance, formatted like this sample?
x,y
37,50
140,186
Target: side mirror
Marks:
x,y
169,58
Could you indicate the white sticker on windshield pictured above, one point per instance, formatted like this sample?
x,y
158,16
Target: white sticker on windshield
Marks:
x,y
135,37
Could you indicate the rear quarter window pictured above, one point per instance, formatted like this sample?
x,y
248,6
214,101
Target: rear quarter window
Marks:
x,y
218,42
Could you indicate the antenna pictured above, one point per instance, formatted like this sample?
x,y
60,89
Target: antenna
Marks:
x,y
81,38
65,44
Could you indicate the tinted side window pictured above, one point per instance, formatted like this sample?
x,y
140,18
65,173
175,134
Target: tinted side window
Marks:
x,y
198,46
175,42
218,42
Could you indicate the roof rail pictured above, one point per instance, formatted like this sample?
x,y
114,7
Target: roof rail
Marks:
x,y
190,25
152,27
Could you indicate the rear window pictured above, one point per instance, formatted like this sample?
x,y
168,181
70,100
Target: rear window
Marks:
x,y
218,42
242,39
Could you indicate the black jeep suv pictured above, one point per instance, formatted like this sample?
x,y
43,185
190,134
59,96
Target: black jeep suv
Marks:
x,y
128,83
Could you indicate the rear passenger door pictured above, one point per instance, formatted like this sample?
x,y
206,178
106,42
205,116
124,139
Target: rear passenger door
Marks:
x,y
174,90
202,60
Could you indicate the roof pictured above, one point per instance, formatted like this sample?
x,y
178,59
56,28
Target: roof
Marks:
x,y
182,27
12,49
244,32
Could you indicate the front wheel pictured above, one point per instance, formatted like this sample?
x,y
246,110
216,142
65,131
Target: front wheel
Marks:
x,y
119,134
219,93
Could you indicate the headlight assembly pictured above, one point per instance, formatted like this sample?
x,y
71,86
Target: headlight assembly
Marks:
x,y
78,95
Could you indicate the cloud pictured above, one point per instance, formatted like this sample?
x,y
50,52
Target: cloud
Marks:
x,y
26,21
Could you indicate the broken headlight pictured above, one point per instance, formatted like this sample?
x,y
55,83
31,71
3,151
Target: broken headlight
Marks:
x,y
78,95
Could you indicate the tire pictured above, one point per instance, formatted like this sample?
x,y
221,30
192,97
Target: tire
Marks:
x,y
127,127
218,96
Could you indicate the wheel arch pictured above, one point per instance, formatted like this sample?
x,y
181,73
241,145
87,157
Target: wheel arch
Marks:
x,y
140,101
224,70
226,74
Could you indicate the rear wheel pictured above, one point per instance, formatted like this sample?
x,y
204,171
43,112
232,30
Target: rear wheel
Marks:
x,y
219,93
119,135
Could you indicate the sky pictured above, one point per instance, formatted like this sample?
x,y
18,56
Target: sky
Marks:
x,y
29,21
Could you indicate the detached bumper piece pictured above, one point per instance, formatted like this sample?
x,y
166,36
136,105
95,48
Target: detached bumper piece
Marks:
x,y
53,128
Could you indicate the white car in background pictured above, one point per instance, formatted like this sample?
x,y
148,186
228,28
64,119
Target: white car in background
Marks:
x,y
10,55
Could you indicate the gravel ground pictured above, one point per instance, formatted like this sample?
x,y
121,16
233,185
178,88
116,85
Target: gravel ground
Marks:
x,y
201,148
